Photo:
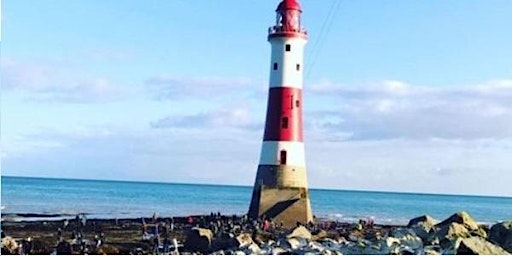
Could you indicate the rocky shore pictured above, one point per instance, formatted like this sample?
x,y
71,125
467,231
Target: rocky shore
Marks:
x,y
236,235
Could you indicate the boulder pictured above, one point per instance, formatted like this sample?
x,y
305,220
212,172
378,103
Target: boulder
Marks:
x,y
252,249
330,243
390,245
422,226
260,236
243,240
425,219
223,242
107,249
423,230
297,243
300,232
279,251
198,240
501,234
448,233
321,234
316,246
64,247
9,245
431,250
462,218
478,245
407,238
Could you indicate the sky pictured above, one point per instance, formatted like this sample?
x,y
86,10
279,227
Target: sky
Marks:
x,y
408,96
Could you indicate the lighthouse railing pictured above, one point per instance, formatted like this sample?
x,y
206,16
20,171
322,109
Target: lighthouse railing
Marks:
x,y
279,29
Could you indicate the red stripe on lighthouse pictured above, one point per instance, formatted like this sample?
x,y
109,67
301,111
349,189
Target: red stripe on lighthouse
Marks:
x,y
284,115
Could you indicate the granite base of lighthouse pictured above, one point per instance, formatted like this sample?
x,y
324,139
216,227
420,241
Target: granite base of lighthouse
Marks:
x,y
281,193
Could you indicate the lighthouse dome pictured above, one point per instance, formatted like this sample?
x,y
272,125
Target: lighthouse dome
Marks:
x,y
288,5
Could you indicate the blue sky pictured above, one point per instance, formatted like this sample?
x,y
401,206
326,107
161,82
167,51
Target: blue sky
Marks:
x,y
399,95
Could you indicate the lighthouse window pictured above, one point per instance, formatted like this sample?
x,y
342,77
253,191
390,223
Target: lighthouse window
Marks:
x,y
297,103
284,122
275,65
288,47
282,157
297,67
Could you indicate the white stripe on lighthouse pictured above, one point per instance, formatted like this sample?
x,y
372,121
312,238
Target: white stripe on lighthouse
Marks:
x,y
287,74
271,153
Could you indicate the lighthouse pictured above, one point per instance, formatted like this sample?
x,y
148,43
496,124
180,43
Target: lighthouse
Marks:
x,y
280,189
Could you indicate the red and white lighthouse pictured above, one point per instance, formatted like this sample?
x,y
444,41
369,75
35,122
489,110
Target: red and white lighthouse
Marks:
x,y
280,190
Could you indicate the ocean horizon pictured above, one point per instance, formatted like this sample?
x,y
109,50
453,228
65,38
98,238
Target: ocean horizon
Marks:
x,y
133,199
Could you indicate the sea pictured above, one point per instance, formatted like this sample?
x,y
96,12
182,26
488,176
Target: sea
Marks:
x,y
62,198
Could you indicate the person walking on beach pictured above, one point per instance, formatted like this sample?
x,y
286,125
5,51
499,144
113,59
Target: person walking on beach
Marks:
x,y
156,244
166,245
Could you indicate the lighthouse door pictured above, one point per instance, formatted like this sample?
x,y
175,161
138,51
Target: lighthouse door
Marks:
x,y
282,159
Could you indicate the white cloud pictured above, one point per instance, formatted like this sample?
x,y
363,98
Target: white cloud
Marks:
x,y
428,166
167,86
47,83
397,110
232,117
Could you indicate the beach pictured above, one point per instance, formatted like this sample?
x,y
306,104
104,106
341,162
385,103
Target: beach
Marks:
x,y
230,235
84,212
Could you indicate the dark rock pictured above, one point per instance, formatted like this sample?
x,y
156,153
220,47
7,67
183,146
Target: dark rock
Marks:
x,y
501,234
431,250
426,219
223,242
199,240
423,226
107,249
64,247
319,235
478,245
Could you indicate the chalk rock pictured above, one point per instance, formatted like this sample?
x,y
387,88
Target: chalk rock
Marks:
x,y
477,245
407,238
10,245
300,232
462,218
244,240
449,233
390,245
198,239
297,243
279,251
501,234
